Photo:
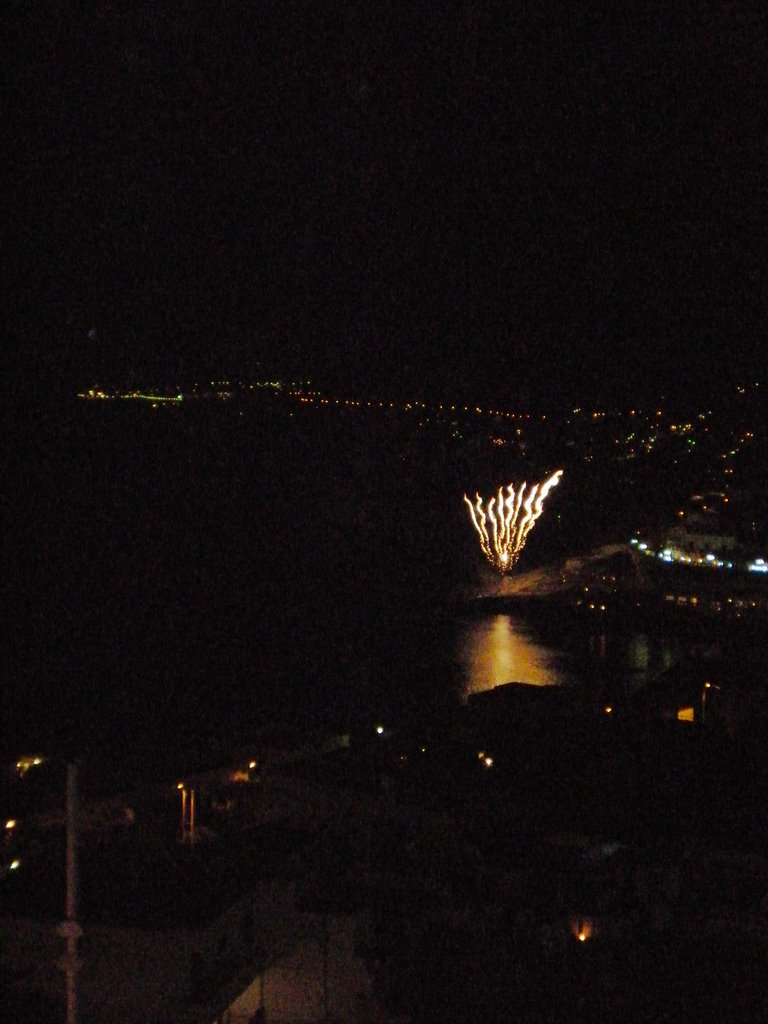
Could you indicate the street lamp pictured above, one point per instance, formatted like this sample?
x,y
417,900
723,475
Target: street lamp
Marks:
x,y
704,690
187,813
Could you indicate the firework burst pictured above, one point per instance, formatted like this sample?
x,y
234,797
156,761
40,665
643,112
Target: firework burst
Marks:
x,y
504,524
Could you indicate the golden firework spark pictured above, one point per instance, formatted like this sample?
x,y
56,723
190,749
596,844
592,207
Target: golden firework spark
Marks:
x,y
503,526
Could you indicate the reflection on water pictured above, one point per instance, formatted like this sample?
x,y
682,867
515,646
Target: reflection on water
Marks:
x,y
643,659
496,649
640,652
502,649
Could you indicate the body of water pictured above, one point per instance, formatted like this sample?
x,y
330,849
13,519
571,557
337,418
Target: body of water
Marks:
x,y
497,648
177,583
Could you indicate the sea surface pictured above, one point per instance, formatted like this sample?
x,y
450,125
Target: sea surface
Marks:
x,y
178,579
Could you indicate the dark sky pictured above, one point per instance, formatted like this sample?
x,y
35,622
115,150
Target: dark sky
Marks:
x,y
506,196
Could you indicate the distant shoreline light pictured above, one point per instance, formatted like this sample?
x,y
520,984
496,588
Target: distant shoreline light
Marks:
x,y
708,560
95,394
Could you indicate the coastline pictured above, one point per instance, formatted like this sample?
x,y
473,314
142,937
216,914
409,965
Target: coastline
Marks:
x,y
617,582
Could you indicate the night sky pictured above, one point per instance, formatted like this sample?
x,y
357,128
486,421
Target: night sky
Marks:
x,y
516,198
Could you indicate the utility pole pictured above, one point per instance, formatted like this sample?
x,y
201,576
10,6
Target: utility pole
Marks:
x,y
325,965
69,929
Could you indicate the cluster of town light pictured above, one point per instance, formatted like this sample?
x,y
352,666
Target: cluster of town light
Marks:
x,y
709,559
503,526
